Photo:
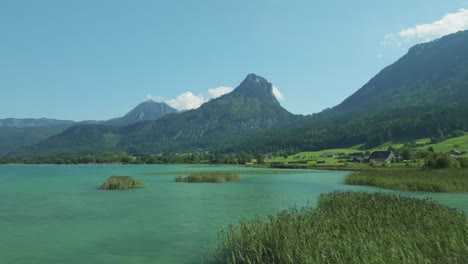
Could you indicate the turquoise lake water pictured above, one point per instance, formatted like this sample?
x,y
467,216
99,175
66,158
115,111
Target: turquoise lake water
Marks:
x,y
55,214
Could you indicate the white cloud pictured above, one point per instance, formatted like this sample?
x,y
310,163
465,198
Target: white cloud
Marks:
x,y
186,101
448,24
154,98
277,93
217,92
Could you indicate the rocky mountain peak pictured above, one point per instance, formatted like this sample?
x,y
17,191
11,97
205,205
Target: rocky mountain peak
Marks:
x,y
255,86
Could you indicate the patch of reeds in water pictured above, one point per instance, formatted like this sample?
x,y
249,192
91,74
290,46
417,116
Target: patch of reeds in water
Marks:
x,y
425,180
208,176
350,227
121,183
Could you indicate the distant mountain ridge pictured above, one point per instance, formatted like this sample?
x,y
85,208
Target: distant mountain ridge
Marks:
x,y
423,94
251,108
33,122
16,133
430,73
149,110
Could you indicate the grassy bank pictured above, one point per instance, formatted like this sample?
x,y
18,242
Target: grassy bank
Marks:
x,y
121,183
350,227
426,180
208,176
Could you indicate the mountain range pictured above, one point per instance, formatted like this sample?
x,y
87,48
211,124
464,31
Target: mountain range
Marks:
x,y
423,94
250,109
16,132
146,111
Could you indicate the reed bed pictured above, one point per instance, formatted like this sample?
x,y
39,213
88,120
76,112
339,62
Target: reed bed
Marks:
x,y
425,180
121,183
350,227
208,176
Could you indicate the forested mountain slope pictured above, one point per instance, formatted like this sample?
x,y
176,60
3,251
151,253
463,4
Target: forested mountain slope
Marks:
x,y
423,94
250,109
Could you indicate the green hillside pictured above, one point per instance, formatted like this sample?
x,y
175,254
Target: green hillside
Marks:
x,y
218,124
458,143
421,95
145,111
12,138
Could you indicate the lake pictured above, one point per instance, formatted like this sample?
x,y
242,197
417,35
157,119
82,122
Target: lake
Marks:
x,y
56,214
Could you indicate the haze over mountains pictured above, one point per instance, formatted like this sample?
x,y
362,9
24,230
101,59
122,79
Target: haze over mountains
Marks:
x,y
423,94
16,132
251,108
149,110
33,122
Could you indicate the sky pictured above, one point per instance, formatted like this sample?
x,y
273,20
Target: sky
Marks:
x,y
97,59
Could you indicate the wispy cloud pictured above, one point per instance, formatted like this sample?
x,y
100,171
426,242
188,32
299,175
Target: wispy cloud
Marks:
x,y
217,92
188,100
448,24
155,98
277,93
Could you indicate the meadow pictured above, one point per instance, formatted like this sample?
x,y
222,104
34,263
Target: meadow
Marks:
x,y
350,227
457,143
315,157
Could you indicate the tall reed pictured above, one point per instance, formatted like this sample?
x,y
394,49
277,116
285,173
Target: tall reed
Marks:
x,y
350,227
208,176
121,183
427,180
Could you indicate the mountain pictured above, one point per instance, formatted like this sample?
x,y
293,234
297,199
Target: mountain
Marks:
x,y
423,94
16,133
19,132
12,138
430,73
148,110
33,122
250,109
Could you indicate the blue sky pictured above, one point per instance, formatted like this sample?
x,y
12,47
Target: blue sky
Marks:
x,y
95,59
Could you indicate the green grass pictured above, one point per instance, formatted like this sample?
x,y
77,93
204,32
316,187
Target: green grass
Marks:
x,y
208,176
350,227
386,145
456,143
313,156
425,180
121,183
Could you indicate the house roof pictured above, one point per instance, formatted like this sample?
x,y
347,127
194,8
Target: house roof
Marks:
x,y
380,155
356,154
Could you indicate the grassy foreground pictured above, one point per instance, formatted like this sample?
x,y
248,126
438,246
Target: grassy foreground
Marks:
x,y
350,227
121,183
208,176
426,180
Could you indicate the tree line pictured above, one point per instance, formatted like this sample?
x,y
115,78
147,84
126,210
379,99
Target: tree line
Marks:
x,y
125,158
